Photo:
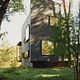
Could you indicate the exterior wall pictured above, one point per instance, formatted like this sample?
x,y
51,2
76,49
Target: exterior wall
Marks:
x,y
26,43
40,12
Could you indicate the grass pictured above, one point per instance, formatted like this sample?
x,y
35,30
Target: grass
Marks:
x,y
28,73
33,0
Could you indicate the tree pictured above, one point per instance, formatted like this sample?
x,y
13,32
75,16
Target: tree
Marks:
x,y
2,35
60,34
66,36
60,38
75,41
7,54
8,7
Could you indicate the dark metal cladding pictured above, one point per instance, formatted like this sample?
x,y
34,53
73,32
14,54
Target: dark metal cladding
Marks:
x,y
40,12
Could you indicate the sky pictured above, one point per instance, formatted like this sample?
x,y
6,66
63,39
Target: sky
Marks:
x,y
15,25
13,28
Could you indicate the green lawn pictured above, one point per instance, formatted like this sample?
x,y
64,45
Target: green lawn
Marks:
x,y
37,73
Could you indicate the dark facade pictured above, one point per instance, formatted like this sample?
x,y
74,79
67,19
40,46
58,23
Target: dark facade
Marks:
x,y
36,29
40,23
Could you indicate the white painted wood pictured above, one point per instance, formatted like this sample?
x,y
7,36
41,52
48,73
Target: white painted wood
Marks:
x,y
25,34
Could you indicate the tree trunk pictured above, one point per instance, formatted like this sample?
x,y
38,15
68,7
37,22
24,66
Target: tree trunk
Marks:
x,y
70,1
0,24
77,67
54,13
3,10
54,46
64,7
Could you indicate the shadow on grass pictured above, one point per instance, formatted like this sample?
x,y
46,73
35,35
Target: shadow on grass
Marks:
x,y
2,77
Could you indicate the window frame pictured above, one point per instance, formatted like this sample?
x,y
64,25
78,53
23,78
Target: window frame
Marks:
x,y
26,40
41,49
27,56
50,22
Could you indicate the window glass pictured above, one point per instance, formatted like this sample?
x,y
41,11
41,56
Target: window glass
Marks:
x,y
53,20
26,54
47,48
27,33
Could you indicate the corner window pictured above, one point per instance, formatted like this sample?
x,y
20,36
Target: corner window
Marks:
x,y
47,47
27,33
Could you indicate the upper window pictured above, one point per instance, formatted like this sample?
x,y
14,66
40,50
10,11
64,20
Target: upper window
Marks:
x,y
53,20
47,48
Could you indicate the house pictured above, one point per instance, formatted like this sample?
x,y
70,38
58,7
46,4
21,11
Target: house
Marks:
x,y
40,23
35,33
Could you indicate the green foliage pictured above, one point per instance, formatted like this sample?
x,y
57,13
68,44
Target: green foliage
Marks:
x,y
15,6
60,49
7,54
13,63
2,35
55,33
34,0
9,7
59,35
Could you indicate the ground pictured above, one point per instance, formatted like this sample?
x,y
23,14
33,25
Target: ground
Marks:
x,y
21,73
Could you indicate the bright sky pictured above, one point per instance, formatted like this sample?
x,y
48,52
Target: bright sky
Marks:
x,y
14,26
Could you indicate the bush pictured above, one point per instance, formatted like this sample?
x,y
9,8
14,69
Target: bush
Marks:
x,y
8,54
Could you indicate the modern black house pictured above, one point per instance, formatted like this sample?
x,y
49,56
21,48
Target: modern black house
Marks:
x,y
36,46
41,13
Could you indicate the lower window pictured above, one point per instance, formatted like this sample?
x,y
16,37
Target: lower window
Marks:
x,y
47,47
26,54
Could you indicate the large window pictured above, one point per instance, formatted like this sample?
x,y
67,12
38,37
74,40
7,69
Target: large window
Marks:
x,y
47,48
